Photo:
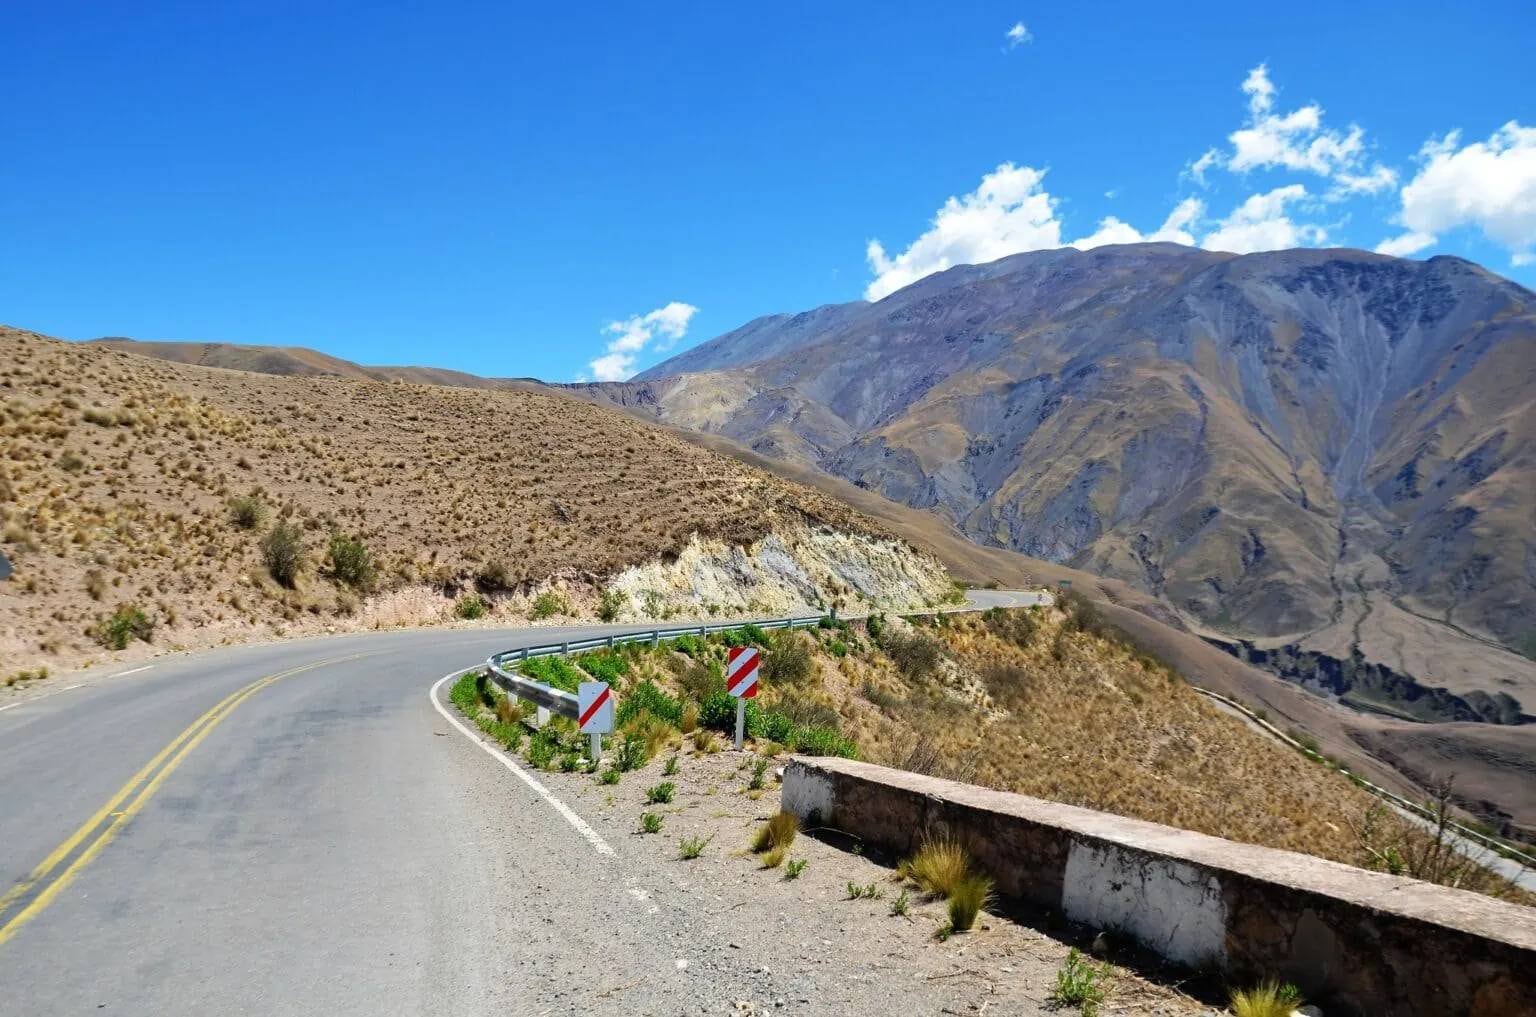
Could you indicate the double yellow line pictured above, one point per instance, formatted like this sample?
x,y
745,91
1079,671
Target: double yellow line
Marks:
x,y
115,815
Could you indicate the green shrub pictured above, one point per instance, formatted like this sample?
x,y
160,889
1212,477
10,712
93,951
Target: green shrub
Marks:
x,y
1079,983
547,605
661,794
556,672
124,625
875,626
901,904
471,606
822,741
247,511
611,604
745,635
541,750
869,892
759,768
465,693
605,666
693,646
648,698
608,776
794,867
631,753
837,648
789,661
351,563
671,768
282,551
915,654
692,847
650,822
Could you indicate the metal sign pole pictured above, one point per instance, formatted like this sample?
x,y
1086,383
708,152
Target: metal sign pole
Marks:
x,y
741,720
597,746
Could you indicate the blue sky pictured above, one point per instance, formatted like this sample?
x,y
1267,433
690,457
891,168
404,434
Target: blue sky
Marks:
x,y
559,192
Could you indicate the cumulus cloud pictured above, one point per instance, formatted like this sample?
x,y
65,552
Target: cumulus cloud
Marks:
x,y
1018,35
1296,141
1489,185
1175,229
1007,213
1263,223
659,329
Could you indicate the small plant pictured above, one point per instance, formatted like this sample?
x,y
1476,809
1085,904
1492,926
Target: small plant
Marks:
x,y
705,742
773,858
901,905
778,832
758,769
966,900
650,822
871,892
547,605
247,512
608,776
671,768
1271,999
631,754
661,794
282,551
1079,983
689,721
939,866
351,562
611,604
540,753
471,606
569,761
794,867
125,625
690,848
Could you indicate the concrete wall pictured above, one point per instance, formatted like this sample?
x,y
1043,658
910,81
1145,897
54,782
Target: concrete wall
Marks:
x,y
1355,942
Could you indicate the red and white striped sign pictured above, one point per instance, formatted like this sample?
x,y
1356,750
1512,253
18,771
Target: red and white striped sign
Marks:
x,y
594,708
741,671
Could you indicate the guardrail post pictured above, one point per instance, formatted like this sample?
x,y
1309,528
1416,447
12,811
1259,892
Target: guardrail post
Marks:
x,y
597,747
655,638
610,642
565,649
703,630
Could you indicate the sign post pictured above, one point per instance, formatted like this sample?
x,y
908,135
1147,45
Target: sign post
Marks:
x,y
594,713
741,669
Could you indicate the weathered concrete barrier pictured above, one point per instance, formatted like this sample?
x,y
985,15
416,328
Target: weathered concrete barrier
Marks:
x,y
1354,941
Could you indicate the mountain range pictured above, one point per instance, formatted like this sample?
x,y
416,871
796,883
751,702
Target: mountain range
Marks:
x,y
1321,459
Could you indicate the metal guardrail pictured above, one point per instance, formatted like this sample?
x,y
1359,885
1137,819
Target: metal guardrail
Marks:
x,y
1466,832
503,666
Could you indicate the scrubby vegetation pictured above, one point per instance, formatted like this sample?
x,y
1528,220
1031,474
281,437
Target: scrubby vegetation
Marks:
x,y
124,625
1080,983
1271,999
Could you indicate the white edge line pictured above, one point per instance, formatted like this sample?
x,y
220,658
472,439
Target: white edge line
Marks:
x,y
592,837
123,674
12,706
71,688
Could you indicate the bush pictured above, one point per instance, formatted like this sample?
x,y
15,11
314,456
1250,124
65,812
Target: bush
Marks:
x,y
759,768
939,866
282,551
789,661
915,654
1270,999
967,898
247,512
125,625
692,847
693,646
605,666
701,679
547,605
745,635
608,776
556,672
611,604
794,867
471,606
661,794
779,832
648,698
631,754
670,769
1079,983
351,563
650,822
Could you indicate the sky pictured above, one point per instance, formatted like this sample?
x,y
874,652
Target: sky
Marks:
x,y
579,192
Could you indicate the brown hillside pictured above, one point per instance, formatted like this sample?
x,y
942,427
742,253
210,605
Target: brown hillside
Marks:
x,y
119,472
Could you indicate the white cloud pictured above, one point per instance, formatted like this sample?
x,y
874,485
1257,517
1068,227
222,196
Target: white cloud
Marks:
x,y
1487,184
1007,213
1263,223
1175,229
1018,35
662,327
1296,141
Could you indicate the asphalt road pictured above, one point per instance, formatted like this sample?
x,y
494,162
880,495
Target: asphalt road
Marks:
x,y
294,828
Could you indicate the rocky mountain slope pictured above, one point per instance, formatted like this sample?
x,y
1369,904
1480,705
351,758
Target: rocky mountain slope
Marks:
x,y
139,500
1324,454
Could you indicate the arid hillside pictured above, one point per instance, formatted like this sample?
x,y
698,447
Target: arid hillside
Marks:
x,y
146,504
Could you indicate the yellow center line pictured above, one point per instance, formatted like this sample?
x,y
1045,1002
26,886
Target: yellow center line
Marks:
x,y
176,751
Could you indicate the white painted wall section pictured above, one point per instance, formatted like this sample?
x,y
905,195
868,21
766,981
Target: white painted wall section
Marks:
x,y
1168,906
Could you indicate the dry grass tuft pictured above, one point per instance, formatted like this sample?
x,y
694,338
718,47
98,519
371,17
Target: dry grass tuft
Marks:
x,y
940,866
777,834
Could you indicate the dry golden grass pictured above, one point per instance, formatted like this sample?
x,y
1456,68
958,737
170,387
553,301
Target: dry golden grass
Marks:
x,y
130,480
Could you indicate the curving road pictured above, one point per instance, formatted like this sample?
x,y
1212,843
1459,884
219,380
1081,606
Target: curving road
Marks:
x,y
296,828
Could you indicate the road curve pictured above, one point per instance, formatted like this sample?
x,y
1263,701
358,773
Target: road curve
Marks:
x,y
294,828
